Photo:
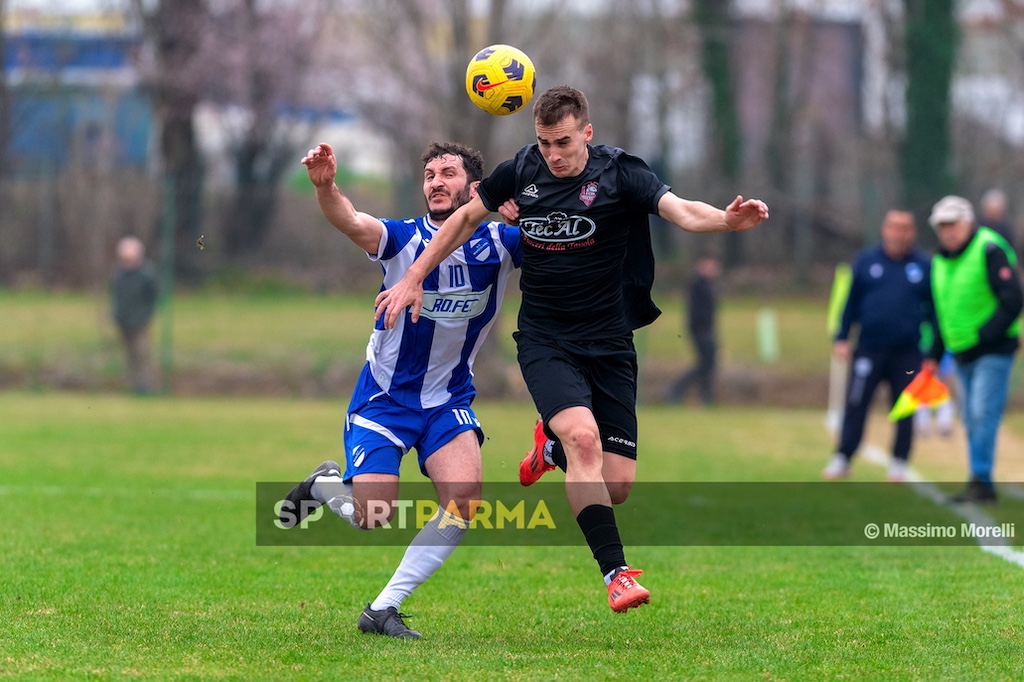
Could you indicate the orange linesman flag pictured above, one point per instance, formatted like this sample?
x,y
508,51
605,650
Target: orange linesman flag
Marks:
x,y
925,389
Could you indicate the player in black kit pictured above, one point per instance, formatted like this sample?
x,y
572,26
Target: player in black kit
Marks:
x,y
586,275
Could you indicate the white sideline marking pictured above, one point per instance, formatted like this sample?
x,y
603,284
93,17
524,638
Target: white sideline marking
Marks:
x,y
1012,491
970,513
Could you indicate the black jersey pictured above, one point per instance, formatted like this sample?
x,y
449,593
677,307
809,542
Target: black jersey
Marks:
x,y
575,234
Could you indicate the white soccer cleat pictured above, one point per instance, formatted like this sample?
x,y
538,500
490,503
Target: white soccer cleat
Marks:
x,y
897,471
838,467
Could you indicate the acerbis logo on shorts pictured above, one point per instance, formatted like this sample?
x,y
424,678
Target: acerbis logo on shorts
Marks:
x,y
620,441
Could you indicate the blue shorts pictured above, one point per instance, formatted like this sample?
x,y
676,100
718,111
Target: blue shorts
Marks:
x,y
380,431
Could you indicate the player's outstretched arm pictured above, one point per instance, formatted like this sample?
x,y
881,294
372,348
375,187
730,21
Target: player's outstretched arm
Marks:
x,y
408,291
697,216
362,228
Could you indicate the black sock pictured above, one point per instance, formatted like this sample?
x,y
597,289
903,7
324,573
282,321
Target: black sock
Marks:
x,y
598,525
558,455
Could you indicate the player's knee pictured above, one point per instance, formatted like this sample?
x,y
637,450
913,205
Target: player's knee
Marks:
x,y
461,498
584,446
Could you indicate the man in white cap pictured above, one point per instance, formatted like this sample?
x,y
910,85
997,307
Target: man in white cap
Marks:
x,y
978,300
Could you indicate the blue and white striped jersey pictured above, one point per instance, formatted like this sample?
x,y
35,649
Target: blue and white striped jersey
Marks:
x,y
430,363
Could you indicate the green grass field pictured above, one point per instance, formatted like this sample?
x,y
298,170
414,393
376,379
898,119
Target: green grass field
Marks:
x,y
287,343
129,553
54,337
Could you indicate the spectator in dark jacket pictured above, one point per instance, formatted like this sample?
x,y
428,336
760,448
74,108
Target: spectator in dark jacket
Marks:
x,y
133,294
889,300
702,307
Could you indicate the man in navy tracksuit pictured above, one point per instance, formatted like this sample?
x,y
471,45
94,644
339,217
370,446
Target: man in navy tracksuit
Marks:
x,y
890,298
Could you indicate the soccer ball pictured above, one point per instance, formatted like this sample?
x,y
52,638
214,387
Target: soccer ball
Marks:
x,y
500,79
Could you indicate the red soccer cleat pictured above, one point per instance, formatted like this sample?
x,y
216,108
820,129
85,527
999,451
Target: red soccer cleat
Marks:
x,y
533,465
625,593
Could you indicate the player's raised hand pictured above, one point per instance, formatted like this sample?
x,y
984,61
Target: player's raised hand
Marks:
x,y
321,164
742,215
392,302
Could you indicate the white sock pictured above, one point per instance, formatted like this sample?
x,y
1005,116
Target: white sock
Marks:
x,y
614,572
337,495
432,545
548,447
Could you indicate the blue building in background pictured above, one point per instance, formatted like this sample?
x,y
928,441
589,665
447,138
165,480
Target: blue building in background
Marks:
x,y
76,98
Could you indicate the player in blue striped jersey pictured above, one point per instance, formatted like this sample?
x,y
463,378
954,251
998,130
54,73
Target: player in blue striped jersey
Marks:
x,y
416,388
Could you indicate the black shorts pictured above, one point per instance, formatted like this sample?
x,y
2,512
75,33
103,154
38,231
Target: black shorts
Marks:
x,y
599,375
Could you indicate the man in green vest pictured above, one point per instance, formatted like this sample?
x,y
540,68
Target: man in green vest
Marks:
x,y
978,300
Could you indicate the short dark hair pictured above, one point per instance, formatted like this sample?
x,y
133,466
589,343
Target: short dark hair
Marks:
x,y
554,104
472,160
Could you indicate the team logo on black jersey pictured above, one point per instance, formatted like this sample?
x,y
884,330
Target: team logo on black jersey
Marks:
x,y
558,227
588,193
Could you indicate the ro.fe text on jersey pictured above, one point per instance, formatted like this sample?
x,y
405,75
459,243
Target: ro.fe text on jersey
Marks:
x,y
430,363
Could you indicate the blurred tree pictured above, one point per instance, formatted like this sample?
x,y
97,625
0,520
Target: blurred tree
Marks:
x,y
264,59
243,55
713,20
657,88
786,100
613,100
175,29
931,39
403,66
5,93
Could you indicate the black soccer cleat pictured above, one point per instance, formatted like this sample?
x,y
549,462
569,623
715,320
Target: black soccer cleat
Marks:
x,y
387,622
298,503
977,492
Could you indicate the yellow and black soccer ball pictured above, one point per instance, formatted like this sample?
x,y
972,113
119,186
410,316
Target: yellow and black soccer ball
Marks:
x,y
500,79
